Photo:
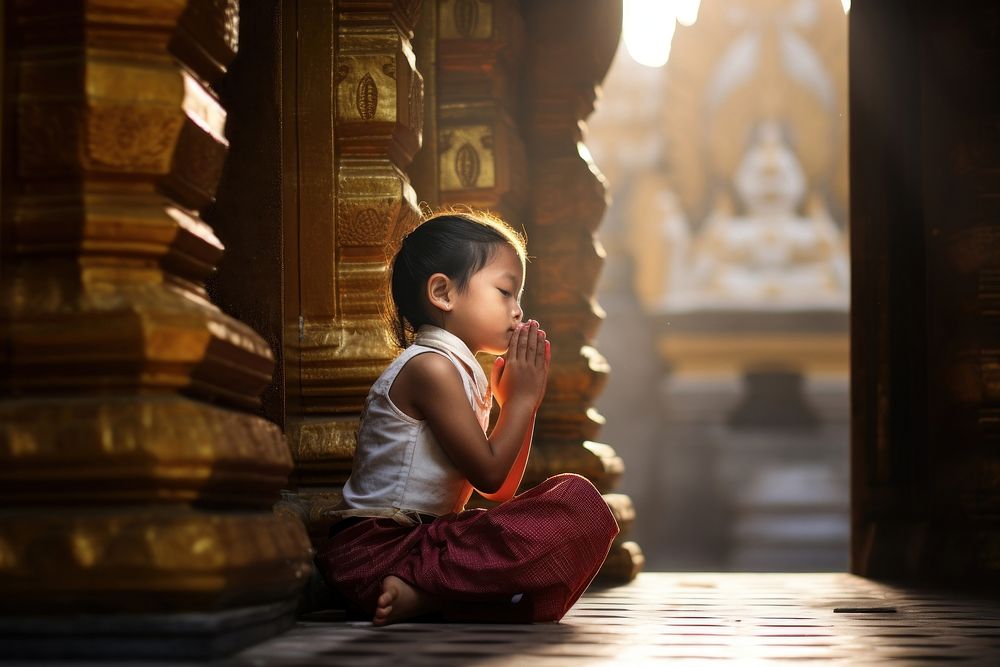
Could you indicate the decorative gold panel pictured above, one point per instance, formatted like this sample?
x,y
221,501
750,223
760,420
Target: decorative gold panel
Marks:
x,y
378,88
355,202
467,159
480,152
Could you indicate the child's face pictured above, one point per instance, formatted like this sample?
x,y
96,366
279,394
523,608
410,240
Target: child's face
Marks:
x,y
485,314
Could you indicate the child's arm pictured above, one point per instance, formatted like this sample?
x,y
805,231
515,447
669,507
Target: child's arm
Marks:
x,y
509,487
435,389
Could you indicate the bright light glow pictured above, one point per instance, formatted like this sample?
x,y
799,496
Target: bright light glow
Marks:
x,y
649,27
687,11
847,5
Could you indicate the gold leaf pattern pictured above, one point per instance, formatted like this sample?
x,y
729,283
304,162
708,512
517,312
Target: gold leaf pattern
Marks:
x,y
366,98
368,225
467,165
365,226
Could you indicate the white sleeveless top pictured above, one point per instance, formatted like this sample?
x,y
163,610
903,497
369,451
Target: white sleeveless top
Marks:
x,y
399,468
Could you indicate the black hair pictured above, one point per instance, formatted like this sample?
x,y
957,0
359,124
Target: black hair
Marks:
x,y
455,243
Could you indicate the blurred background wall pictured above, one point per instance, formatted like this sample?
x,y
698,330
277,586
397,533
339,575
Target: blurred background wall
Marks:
x,y
722,131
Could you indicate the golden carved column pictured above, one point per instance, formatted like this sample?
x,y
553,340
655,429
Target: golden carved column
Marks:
x,y
567,58
424,169
480,151
135,483
470,52
358,126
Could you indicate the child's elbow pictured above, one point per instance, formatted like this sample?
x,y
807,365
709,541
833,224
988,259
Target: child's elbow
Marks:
x,y
488,484
487,489
499,497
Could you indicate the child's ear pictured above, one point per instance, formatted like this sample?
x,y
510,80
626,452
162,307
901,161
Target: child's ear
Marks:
x,y
440,291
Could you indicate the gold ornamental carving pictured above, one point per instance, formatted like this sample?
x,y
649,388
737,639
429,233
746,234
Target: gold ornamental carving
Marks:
x,y
372,91
324,451
366,227
480,149
366,97
375,81
134,472
467,158
467,165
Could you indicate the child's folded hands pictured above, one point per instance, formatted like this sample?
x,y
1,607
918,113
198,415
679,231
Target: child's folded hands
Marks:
x,y
522,372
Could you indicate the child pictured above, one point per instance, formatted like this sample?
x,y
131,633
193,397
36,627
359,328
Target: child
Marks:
x,y
405,545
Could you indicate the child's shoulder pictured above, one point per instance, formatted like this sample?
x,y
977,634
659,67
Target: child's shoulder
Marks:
x,y
425,376
427,366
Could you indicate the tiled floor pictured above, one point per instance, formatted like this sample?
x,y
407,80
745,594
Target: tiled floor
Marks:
x,y
744,618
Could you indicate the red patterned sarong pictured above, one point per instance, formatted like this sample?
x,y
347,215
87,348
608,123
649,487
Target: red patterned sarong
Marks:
x,y
528,559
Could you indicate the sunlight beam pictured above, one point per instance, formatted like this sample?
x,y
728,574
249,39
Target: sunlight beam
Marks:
x,y
649,27
687,11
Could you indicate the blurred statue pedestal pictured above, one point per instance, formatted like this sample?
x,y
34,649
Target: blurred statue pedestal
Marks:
x,y
753,324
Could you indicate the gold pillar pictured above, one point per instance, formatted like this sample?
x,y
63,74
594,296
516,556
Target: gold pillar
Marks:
x,y
479,147
570,46
424,169
357,124
136,484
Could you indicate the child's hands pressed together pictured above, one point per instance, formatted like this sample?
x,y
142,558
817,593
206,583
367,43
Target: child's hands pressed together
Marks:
x,y
521,374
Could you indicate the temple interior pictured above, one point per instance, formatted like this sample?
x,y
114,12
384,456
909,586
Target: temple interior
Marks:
x,y
727,285
759,239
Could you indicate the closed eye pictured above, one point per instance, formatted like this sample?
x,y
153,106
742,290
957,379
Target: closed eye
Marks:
x,y
505,293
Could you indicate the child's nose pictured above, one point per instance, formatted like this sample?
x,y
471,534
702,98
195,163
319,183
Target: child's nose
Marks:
x,y
518,313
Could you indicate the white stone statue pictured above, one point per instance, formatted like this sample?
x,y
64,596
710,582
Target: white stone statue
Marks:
x,y
770,257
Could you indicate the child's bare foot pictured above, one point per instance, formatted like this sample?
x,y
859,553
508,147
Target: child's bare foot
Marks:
x,y
400,601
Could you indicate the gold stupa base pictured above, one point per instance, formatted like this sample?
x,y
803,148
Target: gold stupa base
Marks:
x,y
150,559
